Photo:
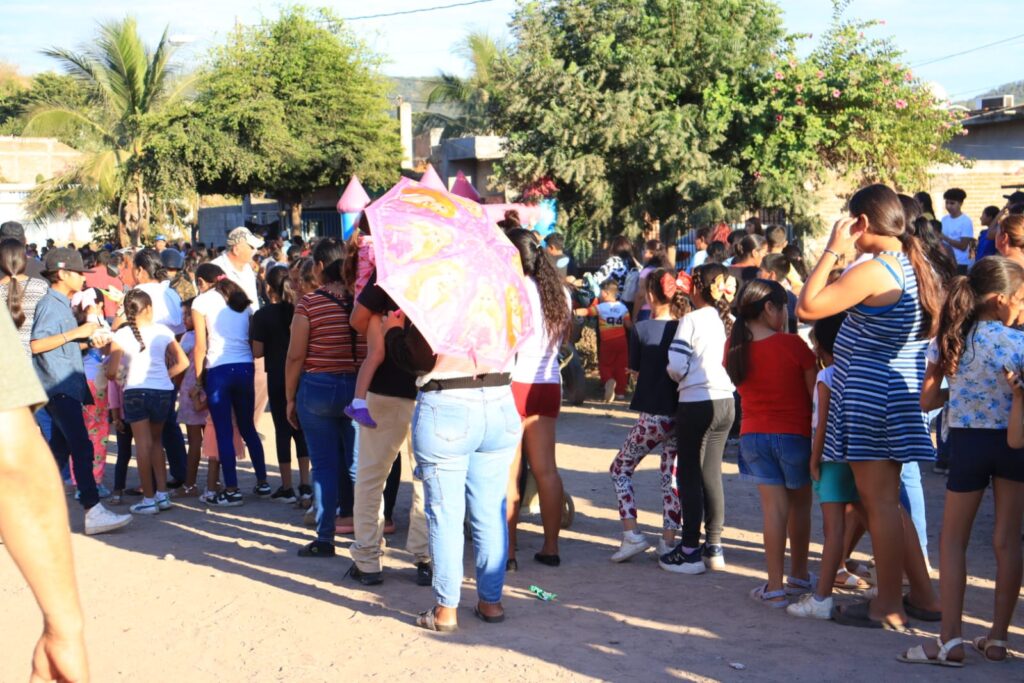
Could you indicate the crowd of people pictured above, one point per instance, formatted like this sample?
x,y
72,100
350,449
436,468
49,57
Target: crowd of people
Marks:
x,y
914,327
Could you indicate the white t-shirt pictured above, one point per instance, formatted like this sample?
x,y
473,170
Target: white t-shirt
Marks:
x,y
227,331
695,357
245,278
824,377
147,368
958,228
537,358
166,305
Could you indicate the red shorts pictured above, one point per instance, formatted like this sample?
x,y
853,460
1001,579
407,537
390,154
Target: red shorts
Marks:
x,y
544,400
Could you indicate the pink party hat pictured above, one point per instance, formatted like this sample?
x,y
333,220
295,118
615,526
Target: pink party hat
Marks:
x,y
354,199
463,188
433,181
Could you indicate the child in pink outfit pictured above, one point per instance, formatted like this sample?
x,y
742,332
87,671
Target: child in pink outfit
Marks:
x,y
365,268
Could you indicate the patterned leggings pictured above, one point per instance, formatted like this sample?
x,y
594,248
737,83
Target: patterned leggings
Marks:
x,y
97,422
644,437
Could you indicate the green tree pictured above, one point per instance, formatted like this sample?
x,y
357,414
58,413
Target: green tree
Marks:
x,y
473,95
126,83
285,107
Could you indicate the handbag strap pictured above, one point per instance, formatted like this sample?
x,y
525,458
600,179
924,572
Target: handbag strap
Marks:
x,y
346,305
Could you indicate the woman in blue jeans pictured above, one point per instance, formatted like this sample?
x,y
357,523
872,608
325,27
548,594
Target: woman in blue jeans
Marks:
x,y
225,370
324,354
464,435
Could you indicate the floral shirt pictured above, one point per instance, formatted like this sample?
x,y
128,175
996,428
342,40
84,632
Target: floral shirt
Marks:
x,y
979,397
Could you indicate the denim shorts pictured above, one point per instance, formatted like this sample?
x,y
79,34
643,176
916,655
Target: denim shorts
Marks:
x,y
776,459
148,404
836,484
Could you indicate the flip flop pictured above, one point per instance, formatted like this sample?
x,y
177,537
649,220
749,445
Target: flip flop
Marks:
x,y
858,614
920,613
917,655
852,581
428,620
983,643
497,619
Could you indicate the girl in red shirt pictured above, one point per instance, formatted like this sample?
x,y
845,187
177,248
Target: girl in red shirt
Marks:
x,y
775,374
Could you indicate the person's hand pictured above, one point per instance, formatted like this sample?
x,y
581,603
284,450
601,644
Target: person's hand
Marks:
x,y
119,425
815,469
845,233
394,319
1015,381
293,414
83,332
60,657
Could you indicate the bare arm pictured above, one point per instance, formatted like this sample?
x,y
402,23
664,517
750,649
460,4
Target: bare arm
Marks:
x,y
298,347
933,396
34,527
818,445
1015,430
360,319
177,360
55,341
199,352
258,350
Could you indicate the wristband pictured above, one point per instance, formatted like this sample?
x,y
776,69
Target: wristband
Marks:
x,y
833,252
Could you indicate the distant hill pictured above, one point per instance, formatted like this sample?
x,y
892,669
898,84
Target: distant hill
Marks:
x,y
415,91
1016,88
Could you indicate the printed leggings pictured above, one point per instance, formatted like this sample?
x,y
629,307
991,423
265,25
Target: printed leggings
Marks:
x,y
648,432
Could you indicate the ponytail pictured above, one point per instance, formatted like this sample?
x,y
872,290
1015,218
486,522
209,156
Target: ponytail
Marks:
x,y
12,264
235,297
750,305
967,295
928,290
537,265
679,299
704,279
135,302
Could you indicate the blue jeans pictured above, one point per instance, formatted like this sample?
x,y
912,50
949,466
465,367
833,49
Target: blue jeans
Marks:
x,y
230,389
69,436
912,500
330,439
464,441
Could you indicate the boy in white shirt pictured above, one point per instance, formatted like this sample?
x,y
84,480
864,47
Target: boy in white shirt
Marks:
x,y
957,228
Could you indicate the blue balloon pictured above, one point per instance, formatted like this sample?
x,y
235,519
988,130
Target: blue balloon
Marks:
x,y
545,224
349,222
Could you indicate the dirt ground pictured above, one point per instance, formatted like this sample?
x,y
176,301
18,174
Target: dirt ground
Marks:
x,y
194,593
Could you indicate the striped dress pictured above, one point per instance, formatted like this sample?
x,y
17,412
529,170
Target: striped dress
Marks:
x,y
875,411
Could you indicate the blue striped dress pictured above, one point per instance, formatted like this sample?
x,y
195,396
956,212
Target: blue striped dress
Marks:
x,y
875,411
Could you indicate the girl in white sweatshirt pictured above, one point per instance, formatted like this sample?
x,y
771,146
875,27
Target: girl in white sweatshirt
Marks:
x,y
704,418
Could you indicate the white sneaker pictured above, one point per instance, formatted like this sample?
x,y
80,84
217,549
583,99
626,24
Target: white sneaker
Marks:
x,y
99,520
809,606
145,507
163,502
631,547
609,391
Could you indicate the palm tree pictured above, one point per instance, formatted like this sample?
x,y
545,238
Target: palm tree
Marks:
x,y
472,95
129,83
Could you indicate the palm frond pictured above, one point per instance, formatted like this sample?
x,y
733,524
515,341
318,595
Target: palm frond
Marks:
x,y
158,72
49,119
121,53
81,66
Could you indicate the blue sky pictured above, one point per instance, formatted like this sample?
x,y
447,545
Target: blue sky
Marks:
x,y
420,44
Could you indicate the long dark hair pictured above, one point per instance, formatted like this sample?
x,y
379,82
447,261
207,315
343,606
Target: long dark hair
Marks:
x,y
703,277
747,245
330,254
925,200
679,302
942,261
796,259
538,266
148,261
750,304
990,275
280,285
884,212
236,298
135,302
623,248
659,254
12,263
717,252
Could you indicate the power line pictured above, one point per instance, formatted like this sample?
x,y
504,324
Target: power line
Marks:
x,y
418,11
965,52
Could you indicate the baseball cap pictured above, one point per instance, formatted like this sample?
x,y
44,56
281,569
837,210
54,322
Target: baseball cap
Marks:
x,y
161,238
62,258
172,259
12,230
239,235
1015,198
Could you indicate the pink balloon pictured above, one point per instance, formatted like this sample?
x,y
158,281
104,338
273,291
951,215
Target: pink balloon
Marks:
x,y
354,199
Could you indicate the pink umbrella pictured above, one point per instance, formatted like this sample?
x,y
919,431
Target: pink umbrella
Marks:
x,y
432,180
464,188
452,272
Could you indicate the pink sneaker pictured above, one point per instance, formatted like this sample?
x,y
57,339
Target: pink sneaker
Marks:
x,y
360,415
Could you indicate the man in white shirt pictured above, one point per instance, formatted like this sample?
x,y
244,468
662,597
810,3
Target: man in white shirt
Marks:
x,y
700,243
957,228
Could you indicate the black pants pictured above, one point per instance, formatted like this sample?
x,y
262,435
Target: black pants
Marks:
x,y
69,437
174,443
284,433
702,428
124,457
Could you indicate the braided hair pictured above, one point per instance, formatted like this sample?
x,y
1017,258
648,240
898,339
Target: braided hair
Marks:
x,y
537,265
703,277
135,302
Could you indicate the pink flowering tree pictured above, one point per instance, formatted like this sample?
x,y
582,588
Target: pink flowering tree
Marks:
x,y
851,110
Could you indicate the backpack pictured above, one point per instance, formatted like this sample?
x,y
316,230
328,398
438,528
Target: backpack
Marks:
x,y
632,283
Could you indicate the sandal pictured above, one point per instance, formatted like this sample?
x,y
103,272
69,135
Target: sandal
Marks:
x,y
917,655
919,613
795,586
496,619
428,620
770,598
858,614
850,582
983,643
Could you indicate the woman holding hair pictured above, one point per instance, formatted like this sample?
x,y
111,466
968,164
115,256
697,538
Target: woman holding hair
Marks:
x,y
977,345
153,358
537,388
324,354
226,372
875,421
18,291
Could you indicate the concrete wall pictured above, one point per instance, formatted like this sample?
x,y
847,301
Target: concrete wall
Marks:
x,y
23,160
